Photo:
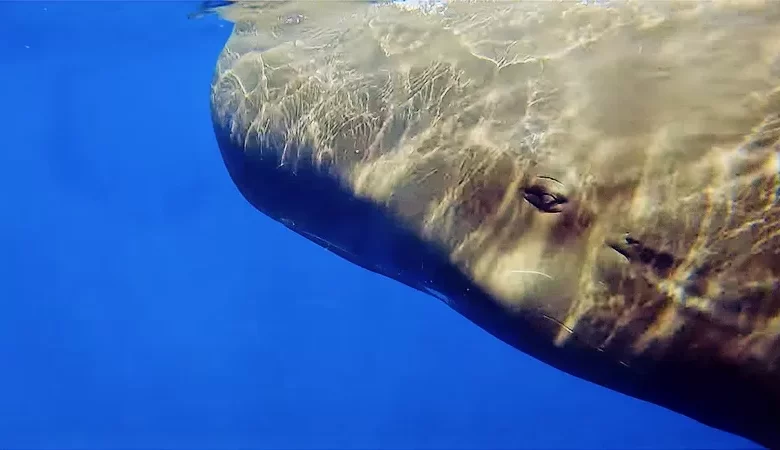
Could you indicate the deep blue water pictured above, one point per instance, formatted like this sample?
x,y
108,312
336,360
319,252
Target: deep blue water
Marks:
x,y
146,304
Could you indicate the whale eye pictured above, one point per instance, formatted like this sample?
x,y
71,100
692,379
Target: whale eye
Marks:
x,y
543,196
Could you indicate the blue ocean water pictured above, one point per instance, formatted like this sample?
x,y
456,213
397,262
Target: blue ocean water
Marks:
x,y
145,304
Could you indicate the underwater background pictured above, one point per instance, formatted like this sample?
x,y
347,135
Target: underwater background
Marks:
x,y
145,304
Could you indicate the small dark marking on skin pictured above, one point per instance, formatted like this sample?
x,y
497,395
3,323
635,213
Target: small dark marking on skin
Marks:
x,y
544,177
635,251
561,324
570,331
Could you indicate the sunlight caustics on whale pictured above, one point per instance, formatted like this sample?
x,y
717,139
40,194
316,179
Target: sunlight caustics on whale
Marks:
x,y
596,185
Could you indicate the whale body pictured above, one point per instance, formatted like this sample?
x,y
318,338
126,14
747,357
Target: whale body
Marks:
x,y
596,186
